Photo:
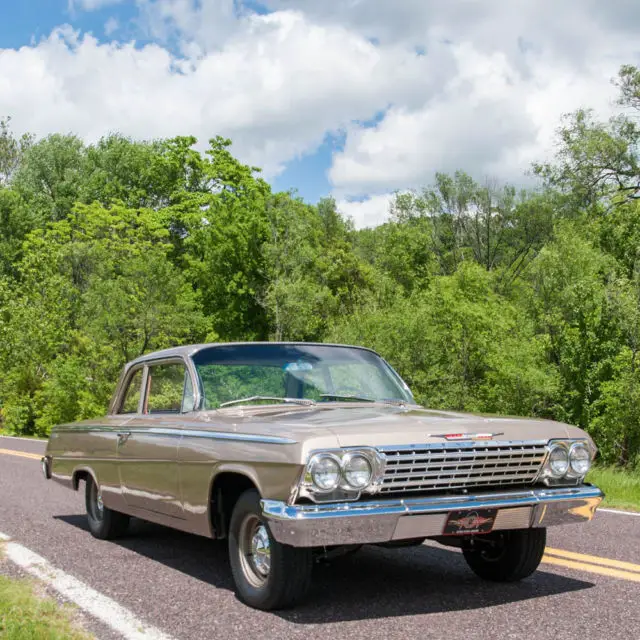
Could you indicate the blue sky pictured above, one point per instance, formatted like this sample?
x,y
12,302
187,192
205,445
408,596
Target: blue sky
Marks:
x,y
356,99
27,21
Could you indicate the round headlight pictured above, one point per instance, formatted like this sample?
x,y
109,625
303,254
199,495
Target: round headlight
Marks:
x,y
325,472
558,460
357,471
579,459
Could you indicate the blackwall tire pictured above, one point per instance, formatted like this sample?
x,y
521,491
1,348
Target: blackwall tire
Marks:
x,y
516,555
104,523
268,575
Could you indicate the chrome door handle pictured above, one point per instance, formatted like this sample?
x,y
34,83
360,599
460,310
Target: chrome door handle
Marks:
x,y
123,436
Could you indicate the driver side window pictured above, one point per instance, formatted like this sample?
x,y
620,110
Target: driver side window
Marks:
x,y
132,394
169,389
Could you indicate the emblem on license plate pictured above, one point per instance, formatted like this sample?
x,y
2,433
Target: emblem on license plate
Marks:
x,y
466,522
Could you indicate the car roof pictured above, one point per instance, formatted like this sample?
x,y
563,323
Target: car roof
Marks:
x,y
190,350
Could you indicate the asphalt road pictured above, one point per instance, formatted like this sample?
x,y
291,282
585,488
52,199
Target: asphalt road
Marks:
x,y
182,585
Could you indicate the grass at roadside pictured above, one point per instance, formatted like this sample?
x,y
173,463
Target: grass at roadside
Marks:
x,y
622,488
26,616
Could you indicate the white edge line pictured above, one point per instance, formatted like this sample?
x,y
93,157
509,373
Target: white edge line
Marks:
x,y
92,602
25,439
622,513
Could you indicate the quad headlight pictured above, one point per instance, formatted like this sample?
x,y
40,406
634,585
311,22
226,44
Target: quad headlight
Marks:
x,y
324,470
341,474
357,470
579,459
558,460
567,461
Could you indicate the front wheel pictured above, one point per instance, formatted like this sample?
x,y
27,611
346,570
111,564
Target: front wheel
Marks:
x,y
268,575
506,556
104,523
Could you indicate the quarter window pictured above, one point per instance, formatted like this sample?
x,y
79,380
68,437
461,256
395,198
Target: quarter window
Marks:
x,y
132,395
170,389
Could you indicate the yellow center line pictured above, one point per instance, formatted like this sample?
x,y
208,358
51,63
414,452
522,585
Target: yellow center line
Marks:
x,y
593,568
582,557
22,454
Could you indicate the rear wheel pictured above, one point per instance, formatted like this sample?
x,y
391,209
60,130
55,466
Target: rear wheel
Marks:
x,y
268,575
506,556
104,523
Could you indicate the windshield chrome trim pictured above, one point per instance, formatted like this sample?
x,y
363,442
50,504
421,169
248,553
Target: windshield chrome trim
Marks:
x,y
305,402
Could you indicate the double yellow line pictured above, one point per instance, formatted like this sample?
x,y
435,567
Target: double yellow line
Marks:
x,y
592,564
22,454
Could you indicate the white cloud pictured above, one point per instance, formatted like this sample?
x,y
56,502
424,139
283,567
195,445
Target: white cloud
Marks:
x,y
488,119
91,5
111,26
571,29
513,69
369,212
275,88
486,96
205,24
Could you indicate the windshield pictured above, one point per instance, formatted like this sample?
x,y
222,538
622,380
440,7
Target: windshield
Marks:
x,y
322,373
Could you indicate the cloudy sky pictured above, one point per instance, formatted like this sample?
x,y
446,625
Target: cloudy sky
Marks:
x,y
355,98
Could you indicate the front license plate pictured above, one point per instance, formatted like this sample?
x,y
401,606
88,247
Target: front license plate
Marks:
x,y
461,523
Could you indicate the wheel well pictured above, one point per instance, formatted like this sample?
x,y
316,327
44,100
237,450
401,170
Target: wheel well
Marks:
x,y
80,475
225,491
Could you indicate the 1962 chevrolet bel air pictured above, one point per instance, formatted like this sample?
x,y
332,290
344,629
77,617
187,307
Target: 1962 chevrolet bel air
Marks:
x,y
294,450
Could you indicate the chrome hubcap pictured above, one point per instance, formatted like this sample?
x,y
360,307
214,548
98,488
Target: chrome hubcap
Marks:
x,y
255,550
261,551
99,504
96,507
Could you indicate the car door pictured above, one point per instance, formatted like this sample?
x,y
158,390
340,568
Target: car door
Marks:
x,y
148,444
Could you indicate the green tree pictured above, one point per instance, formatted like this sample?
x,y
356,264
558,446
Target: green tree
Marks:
x,y
597,162
460,345
49,176
458,220
95,290
569,303
12,150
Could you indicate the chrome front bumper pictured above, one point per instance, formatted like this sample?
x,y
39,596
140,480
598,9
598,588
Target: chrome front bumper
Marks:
x,y
370,522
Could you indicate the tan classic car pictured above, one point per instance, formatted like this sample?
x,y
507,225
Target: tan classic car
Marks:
x,y
292,451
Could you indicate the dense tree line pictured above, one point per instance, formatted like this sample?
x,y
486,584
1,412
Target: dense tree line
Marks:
x,y
484,297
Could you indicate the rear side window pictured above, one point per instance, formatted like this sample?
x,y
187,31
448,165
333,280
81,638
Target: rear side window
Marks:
x,y
168,385
132,394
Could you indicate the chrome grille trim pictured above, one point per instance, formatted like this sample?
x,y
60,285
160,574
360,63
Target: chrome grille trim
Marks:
x,y
461,465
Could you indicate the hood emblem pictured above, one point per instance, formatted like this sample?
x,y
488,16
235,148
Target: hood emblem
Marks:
x,y
465,436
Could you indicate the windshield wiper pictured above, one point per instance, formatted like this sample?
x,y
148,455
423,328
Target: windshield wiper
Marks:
x,y
302,401
341,396
396,402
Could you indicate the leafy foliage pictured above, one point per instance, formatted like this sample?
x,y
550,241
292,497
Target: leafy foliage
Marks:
x,y
460,345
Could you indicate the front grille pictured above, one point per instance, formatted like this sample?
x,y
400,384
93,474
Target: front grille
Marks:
x,y
450,465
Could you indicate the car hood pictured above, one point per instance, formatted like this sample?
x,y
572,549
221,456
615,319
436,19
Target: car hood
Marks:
x,y
381,425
